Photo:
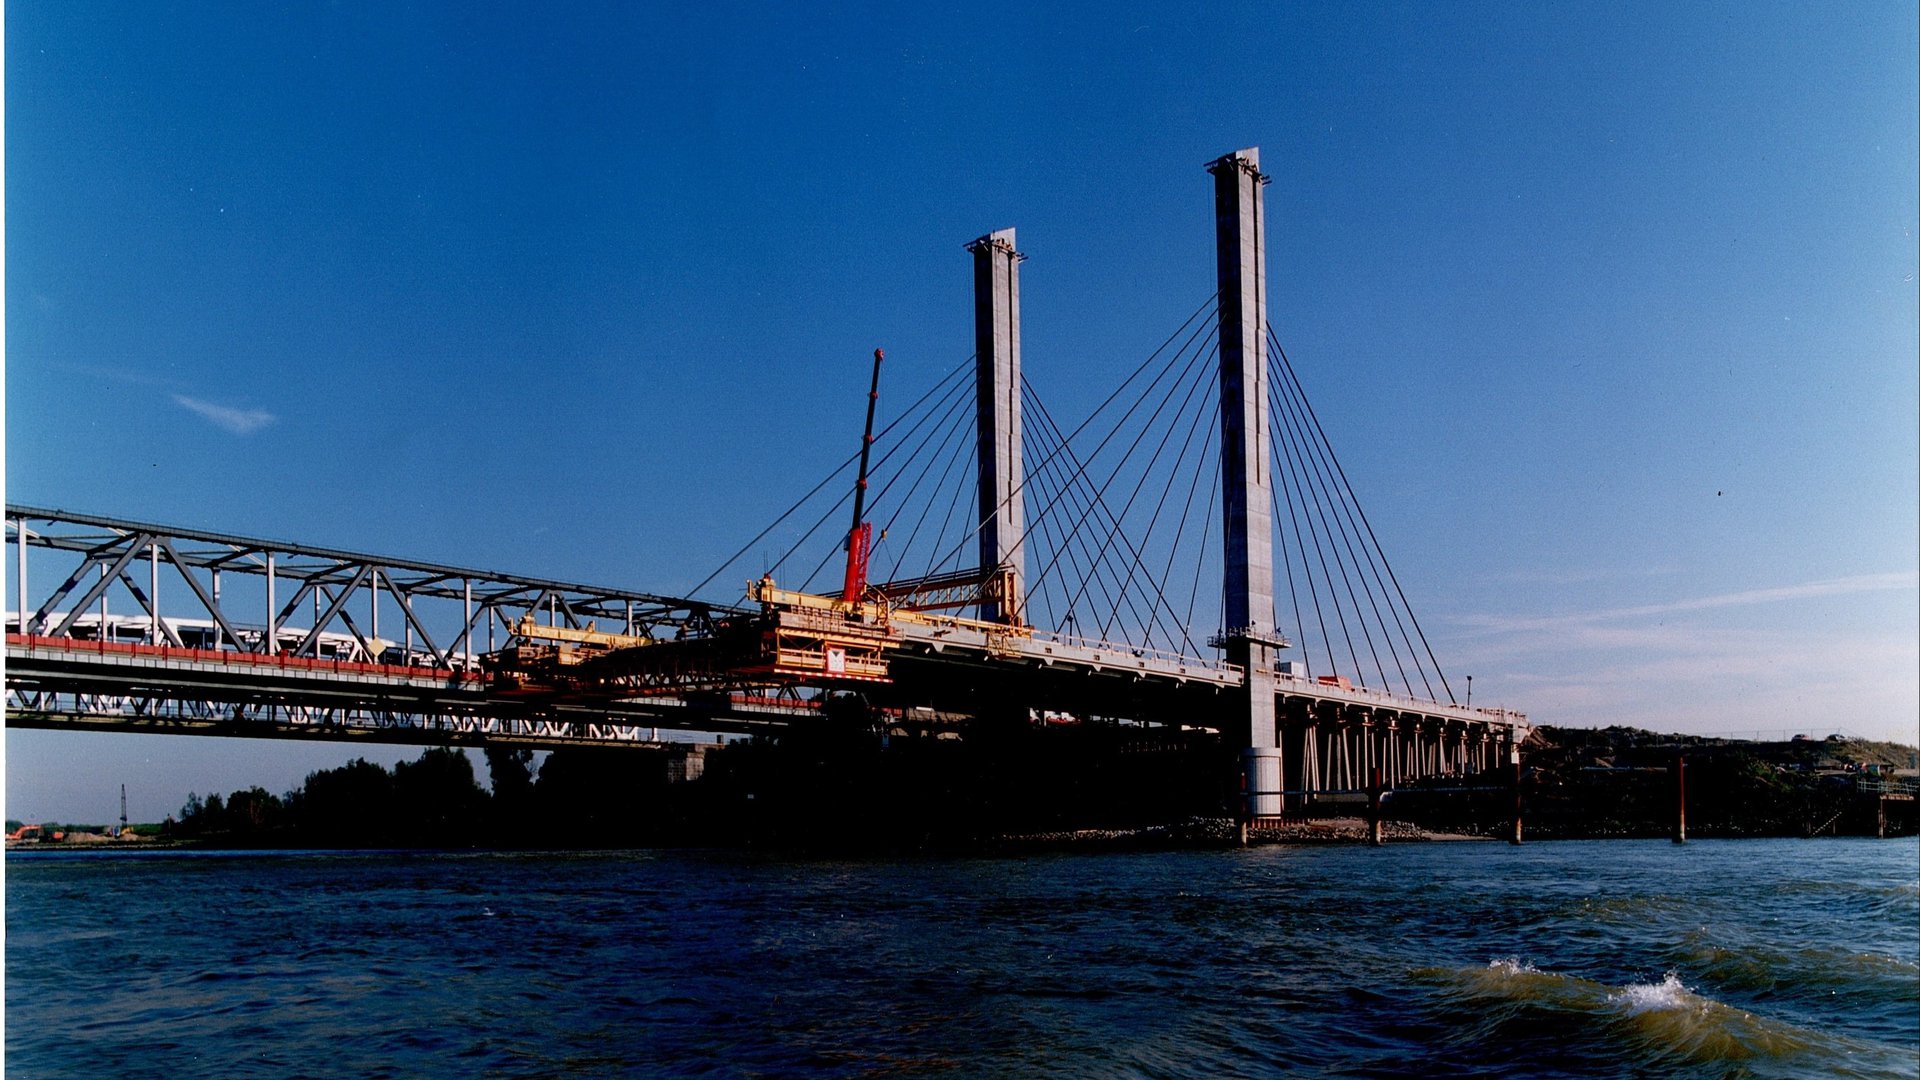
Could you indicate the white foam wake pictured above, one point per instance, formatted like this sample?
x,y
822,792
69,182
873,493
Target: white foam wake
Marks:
x,y
1666,995
1511,965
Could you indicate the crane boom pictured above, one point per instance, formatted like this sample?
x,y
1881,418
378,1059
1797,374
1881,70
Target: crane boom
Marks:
x,y
860,536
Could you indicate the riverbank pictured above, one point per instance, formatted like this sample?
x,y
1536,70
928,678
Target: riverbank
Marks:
x,y
1222,832
1017,789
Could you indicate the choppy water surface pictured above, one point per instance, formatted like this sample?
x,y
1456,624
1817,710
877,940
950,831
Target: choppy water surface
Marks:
x,y
1733,958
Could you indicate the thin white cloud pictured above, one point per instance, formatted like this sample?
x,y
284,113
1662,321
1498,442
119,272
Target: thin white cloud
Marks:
x,y
1861,583
237,421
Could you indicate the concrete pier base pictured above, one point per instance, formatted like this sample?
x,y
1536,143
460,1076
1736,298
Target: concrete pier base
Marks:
x,y
1376,832
1261,768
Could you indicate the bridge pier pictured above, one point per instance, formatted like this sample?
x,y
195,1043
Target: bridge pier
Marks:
x,y
1265,773
1312,777
1249,637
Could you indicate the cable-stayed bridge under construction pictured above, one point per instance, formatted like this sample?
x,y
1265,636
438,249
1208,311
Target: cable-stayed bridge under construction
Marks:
x,y
1033,575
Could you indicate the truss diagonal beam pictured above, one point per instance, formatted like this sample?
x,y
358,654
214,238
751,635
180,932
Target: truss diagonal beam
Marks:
x,y
311,646
405,600
117,571
206,600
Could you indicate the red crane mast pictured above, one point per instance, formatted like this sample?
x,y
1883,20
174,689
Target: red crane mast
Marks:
x,y
860,537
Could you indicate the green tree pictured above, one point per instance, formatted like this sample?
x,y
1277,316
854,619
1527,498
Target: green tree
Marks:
x,y
253,811
214,814
350,805
600,795
511,770
437,800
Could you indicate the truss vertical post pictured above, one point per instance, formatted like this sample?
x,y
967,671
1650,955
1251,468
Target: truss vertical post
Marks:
x,y
996,334
273,613
1250,638
153,591
20,582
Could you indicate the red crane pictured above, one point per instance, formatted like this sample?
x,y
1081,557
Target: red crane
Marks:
x,y
860,537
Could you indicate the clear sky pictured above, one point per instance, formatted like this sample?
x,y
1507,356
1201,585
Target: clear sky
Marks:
x,y
1610,309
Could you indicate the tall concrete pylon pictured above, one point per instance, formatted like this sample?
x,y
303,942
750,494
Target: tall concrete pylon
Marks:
x,y
996,334
1250,638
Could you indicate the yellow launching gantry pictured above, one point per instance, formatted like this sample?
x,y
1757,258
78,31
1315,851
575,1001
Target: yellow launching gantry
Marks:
x,y
546,657
796,639
545,646
808,637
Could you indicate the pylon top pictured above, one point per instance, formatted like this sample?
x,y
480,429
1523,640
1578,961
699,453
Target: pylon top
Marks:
x,y
1247,160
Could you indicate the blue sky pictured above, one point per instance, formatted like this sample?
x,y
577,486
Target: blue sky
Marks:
x,y
1610,309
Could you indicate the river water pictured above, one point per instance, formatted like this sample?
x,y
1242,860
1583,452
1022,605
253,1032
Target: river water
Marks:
x,y
1731,958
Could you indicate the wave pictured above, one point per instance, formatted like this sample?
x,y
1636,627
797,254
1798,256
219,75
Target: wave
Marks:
x,y
1851,899
1630,908
1667,1020
1813,970
1551,1017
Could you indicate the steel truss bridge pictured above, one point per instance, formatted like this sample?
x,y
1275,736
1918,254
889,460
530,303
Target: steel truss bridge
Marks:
x,y
132,626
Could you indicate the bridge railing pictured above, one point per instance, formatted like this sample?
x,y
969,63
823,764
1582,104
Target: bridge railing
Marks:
x,y
1345,691
1868,785
1141,651
1494,715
